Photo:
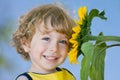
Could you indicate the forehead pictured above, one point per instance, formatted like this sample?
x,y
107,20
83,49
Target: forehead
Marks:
x,y
44,26
48,25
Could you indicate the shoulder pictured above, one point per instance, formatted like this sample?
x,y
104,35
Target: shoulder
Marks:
x,y
67,70
23,76
68,73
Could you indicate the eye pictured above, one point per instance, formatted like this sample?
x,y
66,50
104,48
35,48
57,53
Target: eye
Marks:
x,y
63,41
46,38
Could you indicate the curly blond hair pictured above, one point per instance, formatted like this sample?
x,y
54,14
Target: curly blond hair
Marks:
x,y
59,19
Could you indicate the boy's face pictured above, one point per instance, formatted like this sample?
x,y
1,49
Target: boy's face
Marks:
x,y
47,51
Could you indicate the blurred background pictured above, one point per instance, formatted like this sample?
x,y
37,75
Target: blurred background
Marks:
x,y
12,64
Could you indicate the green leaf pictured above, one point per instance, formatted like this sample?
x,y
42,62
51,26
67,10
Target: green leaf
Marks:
x,y
87,49
95,13
98,61
101,15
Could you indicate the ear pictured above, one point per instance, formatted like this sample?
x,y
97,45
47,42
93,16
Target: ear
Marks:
x,y
25,45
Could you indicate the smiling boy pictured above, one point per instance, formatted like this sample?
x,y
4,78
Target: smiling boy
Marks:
x,y
43,38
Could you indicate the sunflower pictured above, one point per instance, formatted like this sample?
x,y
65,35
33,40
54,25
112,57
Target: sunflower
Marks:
x,y
72,55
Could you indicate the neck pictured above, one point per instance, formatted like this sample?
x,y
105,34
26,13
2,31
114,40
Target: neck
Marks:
x,y
41,70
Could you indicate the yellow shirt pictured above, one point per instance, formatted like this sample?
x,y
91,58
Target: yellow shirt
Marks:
x,y
59,75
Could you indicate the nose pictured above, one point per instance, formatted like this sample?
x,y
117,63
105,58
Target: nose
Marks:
x,y
53,47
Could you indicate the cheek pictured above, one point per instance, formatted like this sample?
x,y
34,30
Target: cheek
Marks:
x,y
63,47
36,52
37,48
63,50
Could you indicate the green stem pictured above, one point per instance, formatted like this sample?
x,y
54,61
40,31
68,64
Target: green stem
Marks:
x,y
113,45
102,38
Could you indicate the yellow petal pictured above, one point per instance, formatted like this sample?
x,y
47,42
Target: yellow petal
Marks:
x,y
75,44
79,22
74,36
73,56
76,29
82,12
72,41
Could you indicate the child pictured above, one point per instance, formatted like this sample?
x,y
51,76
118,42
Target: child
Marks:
x,y
43,38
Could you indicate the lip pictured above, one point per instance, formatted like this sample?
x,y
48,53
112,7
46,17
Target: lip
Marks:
x,y
50,58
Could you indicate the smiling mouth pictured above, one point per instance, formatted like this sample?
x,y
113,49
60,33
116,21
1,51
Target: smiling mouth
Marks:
x,y
51,58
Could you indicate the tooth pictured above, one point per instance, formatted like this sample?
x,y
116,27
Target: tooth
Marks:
x,y
50,57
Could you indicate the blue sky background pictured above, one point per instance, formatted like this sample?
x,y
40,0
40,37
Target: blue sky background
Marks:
x,y
10,10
